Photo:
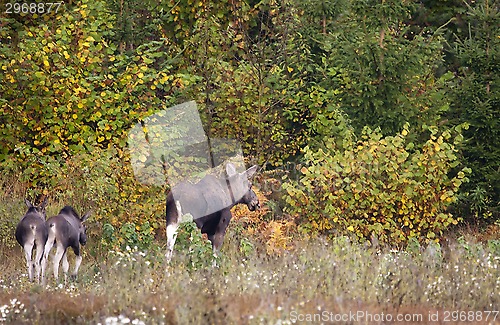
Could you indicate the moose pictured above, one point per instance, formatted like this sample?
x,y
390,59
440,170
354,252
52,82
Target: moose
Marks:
x,y
31,233
209,202
66,230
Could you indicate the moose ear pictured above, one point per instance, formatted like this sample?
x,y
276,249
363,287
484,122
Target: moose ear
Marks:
x,y
230,170
86,216
44,203
28,203
251,171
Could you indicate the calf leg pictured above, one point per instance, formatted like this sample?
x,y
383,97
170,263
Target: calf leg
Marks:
x,y
48,247
43,264
57,258
65,265
28,251
78,261
38,261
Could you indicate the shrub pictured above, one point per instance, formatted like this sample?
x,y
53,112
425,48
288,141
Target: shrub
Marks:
x,y
197,248
378,186
264,226
129,235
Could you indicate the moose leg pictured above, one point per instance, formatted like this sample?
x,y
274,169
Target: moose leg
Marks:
x,y
171,237
57,258
218,237
78,262
172,230
38,261
65,265
28,251
48,247
43,264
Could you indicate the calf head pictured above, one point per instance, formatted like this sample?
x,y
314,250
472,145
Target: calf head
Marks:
x,y
38,210
241,186
82,229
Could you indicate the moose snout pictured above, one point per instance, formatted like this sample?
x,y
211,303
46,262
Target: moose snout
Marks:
x,y
83,239
254,205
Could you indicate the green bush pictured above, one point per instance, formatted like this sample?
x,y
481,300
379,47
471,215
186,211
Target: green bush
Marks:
x,y
378,186
191,244
129,235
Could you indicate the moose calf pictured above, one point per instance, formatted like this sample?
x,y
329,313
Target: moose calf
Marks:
x,y
66,230
31,232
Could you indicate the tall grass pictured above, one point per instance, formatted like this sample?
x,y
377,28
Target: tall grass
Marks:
x,y
317,280
317,277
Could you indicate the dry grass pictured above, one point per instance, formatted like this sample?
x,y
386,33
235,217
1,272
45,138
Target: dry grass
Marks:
x,y
316,280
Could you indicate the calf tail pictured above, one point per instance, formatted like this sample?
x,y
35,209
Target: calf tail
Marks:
x,y
33,230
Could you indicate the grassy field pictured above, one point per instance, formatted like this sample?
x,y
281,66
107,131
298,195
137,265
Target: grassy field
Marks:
x,y
317,281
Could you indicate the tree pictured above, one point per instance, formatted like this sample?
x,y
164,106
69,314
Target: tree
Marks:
x,y
384,75
252,79
66,90
476,100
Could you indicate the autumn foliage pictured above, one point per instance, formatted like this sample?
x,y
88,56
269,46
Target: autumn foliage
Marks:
x,y
379,186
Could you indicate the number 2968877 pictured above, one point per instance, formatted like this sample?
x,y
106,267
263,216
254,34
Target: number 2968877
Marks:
x,y
38,8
